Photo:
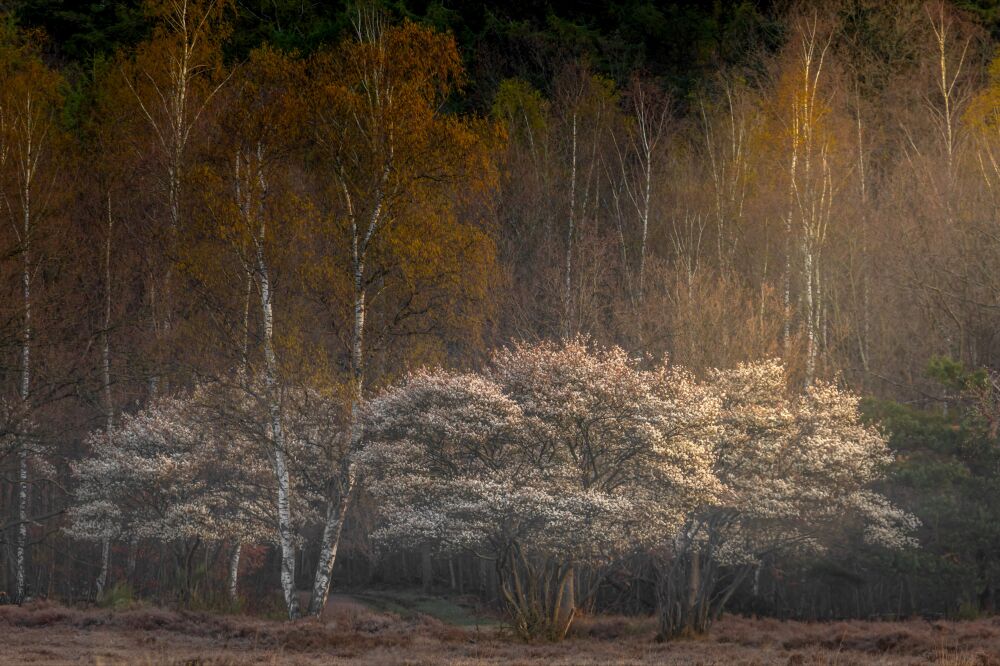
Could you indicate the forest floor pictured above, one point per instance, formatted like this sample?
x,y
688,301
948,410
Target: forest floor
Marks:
x,y
401,628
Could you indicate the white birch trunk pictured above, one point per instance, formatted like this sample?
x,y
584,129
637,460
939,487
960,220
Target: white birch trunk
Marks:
x,y
245,345
109,414
650,127
102,577
172,114
177,142
787,276
570,230
865,289
336,513
647,197
810,312
25,388
271,383
285,536
234,572
332,530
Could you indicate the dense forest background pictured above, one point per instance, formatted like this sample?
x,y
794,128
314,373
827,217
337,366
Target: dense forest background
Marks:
x,y
716,183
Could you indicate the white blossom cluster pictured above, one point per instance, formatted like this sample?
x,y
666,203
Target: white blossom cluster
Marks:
x,y
199,466
576,453
582,454
795,469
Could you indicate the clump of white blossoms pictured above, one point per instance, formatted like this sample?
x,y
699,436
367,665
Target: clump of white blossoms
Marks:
x,y
554,457
794,472
558,456
196,468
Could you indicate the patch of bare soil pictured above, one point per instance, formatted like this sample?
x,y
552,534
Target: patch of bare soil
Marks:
x,y
351,633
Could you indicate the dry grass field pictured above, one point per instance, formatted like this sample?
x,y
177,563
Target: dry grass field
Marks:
x,y
357,633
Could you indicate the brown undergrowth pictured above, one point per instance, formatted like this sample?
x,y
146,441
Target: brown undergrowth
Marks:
x,y
353,633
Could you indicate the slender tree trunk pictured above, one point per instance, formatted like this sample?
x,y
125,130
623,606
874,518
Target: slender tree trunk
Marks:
x,y
285,535
245,345
25,388
244,204
234,571
102,577
188,570
328,552
133,552
863,343
109,413
647,198
22,527
109,410
174,185
357,343
787,276
810,312
570,231
648,143
336,513
821,315
273,391
566,603
694,580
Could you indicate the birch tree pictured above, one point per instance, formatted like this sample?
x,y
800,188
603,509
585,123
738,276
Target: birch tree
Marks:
x,y
173,78
259,121
393,160
811,188
730,132
639,160
944,176
560,171
247,258
585,102
29,136
951,49
106,147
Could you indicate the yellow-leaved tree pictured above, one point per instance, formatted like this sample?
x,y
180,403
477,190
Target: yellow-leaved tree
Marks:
x,y
403,253
238,249
170,81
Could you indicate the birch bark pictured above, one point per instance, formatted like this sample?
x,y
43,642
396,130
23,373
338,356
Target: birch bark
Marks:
x,y
234,571
273,391
30,140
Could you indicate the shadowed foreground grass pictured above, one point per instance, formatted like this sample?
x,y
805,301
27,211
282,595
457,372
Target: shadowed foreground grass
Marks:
x,y
353,632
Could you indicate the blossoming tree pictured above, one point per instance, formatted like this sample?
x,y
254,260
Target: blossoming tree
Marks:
x,y
194,469
554,457
559,456
794,472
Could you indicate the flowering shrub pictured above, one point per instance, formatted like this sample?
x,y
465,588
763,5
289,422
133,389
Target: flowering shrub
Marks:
x,y
558,455
793,472
554,456
197,468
